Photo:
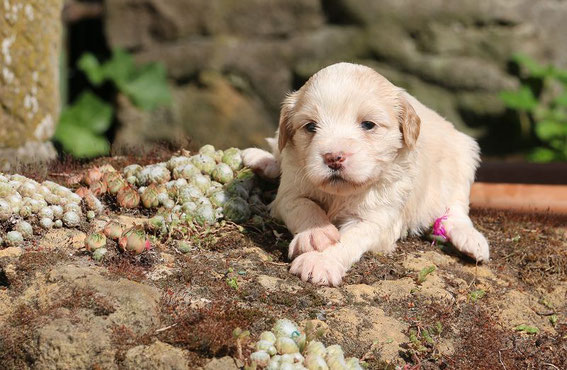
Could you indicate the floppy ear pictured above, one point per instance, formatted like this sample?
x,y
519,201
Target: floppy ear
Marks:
x,y
285,131
409,122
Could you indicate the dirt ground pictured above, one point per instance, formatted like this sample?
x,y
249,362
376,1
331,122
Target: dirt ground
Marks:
x,y
424,307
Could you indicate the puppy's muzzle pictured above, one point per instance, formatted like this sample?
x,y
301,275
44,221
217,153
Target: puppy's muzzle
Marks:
x,y
335,161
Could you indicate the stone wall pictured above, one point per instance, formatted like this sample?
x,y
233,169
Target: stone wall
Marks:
x,y
453,55
30,36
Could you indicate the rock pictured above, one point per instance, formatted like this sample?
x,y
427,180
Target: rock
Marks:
x,y
156,356
224,363
135,24
85,344
30,36
274,284
361,327
216,103
11,252
136,305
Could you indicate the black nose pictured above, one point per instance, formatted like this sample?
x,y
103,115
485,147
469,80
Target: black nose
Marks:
x,y
334,160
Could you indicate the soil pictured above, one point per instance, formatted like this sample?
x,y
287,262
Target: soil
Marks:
x,y
164,309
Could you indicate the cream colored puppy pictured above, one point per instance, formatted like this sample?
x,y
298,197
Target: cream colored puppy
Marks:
x,y
363,164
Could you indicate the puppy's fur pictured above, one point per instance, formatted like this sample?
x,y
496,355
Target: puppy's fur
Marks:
x,y
384,182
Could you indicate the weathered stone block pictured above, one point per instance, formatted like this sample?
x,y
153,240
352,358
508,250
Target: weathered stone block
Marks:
x,y
30,36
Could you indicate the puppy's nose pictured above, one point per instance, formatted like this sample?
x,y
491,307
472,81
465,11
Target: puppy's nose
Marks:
x,y
334,160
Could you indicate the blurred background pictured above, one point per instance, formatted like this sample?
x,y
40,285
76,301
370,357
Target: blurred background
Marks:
x,y
141,73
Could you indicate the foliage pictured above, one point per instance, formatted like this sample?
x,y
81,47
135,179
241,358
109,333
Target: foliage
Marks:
x,y
541,103
146,86
82,125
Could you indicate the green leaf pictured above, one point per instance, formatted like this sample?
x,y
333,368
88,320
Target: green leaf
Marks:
x,y
523,99
534,68
120,68
475,295
548,129
527,329
542,155
148,89
90,112
81,142
562,99
89,64
82,124
423,273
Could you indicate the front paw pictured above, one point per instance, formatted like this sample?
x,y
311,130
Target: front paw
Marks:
x,y
314,239
261,162
318,268
470,242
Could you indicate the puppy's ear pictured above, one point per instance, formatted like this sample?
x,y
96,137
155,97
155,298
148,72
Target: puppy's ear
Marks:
x,y
285,129
409,122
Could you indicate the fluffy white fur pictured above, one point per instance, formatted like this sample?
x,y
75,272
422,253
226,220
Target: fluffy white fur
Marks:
x,y
395,178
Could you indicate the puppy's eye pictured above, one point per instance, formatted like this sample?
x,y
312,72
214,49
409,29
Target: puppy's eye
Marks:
x,y
367,125
311,127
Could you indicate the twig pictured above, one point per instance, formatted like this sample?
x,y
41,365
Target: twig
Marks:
x,y
166,328
551,365
500,359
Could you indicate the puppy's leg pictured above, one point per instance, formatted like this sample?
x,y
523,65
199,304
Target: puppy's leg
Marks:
x,y
261,162
464,236
310,224
329,267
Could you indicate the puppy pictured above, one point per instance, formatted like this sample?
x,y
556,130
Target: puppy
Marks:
x,y
363,164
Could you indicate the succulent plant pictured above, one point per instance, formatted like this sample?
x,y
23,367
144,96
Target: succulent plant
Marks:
x,y
92,175
154,174
222,173
71,219
46,223
189,193
150,196
233,158
219,198
286,345
99,254
315,362
25,228
57,211
205,215
184,246
204,163
58,223
94,241
5,210
316,348
46,212
237,210
14,238
134,240
113,230
202,182
185,171
177,161
127,197
207,149
98,188
116,185
261,358
268,336
132,170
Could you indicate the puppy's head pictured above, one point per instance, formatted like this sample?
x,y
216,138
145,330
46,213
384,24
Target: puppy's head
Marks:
x,y
345,125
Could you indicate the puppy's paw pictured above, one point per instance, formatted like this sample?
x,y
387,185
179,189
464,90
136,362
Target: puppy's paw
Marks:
x,y
261,162
470,242
314,239
318,268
